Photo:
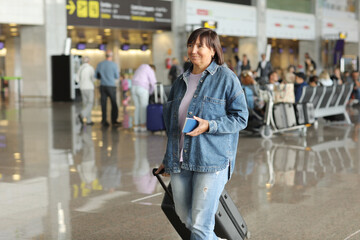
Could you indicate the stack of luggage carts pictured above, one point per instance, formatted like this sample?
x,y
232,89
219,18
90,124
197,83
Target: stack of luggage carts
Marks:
x,y
279,112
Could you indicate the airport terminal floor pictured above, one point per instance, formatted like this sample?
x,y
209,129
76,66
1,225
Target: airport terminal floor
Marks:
x,y
59,180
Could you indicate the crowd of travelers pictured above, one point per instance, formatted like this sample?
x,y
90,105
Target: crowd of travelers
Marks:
x,y
266,77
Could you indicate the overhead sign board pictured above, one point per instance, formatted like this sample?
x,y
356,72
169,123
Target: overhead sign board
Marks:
x,y
140,14
289,25
231,19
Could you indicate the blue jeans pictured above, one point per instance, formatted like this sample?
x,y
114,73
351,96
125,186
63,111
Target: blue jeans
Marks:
x,y
196,196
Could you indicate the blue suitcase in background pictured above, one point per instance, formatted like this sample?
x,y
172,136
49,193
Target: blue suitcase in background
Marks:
x,y
154,117
154,112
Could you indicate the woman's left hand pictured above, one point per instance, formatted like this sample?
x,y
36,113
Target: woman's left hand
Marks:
x,y
203,127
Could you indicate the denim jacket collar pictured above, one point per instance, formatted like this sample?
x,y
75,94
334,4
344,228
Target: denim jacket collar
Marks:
x,y
211,69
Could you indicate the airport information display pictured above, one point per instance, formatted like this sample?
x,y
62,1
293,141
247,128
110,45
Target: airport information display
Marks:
x,y
140,14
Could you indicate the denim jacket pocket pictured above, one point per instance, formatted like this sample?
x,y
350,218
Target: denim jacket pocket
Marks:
x,y
168,113
212,108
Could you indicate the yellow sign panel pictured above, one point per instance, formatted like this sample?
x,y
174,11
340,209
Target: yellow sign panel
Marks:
x,y
94,9
71,7
82,8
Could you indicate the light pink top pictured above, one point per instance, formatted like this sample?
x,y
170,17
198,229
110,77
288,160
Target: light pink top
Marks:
x,y
144,77
191,88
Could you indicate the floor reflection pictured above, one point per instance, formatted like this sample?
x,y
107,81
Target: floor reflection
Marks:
x,y
287,167
62,180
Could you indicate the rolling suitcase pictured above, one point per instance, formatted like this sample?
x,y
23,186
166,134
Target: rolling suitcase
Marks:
x,y
304,113
300,113
154,112
280,116
309,112
284,115
229,224
290,114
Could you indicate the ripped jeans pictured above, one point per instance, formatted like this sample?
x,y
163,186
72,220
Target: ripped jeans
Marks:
x,y
196,196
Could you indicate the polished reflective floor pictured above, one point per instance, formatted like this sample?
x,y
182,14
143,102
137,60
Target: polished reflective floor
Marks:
x,y
59,180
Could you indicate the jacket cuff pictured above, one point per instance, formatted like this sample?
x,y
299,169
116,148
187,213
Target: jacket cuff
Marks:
x,y
212,126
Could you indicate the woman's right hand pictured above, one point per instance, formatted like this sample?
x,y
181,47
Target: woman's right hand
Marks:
x,y
161,167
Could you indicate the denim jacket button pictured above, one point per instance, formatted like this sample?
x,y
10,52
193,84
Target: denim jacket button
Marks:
x,y
185,150
195,96
190,113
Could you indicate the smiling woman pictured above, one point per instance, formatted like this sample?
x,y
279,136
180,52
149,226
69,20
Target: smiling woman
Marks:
x,y
203,160
204,46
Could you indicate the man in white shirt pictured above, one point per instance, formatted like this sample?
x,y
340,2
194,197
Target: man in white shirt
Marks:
x,y
86,78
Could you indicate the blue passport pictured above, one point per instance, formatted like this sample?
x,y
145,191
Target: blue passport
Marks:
x,y
189,125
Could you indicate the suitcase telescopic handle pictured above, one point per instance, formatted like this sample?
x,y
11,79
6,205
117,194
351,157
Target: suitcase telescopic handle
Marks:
x,y
161,181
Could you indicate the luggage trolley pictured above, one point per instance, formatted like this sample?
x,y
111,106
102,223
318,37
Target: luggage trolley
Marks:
x,y
269,127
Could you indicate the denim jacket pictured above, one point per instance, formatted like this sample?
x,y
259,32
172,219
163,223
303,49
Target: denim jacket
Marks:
x,y
218,98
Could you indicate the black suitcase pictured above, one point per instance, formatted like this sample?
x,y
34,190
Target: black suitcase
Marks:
x,y
229,224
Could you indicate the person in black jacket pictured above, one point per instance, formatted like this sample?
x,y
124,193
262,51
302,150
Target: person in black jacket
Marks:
x,y
264,66
175,70
245,63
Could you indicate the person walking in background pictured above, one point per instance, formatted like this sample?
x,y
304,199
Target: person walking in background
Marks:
x,y
238,64
175,70
310,65
201,162
143,84
245,63
264,67
86,79
187,63
108,72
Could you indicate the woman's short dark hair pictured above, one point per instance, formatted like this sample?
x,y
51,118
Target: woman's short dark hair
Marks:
x,y
211,40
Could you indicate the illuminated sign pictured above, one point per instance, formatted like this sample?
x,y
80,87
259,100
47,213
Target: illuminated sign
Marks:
x,y
140,14
342,35
209,24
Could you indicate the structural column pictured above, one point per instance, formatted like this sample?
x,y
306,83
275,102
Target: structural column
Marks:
x,y
318,32
38,44
261,28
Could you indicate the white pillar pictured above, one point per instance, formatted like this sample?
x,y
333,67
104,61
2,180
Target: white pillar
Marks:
x,y
316,54
38,44
261,29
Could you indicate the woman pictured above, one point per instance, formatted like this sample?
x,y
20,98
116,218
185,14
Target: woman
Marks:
x,y
324,79
289,76
201,162
336,77
143,84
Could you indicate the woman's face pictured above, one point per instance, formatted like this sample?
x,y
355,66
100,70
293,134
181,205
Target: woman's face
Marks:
x,y
200,54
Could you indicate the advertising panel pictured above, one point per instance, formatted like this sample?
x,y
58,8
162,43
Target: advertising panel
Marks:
x,y
290,25
339,17
231,19
22,12
140,14
333,27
